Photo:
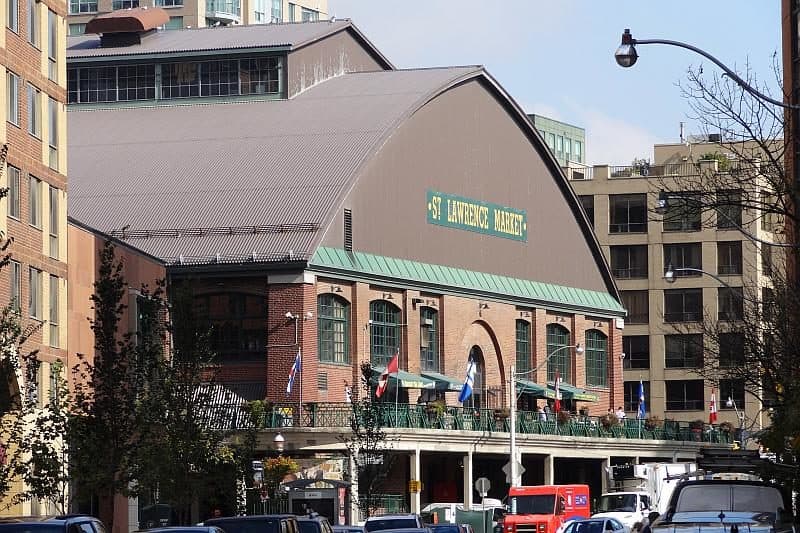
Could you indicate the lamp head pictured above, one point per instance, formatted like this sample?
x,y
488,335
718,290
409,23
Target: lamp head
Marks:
x,y
662,204
729,403
578,349
279,442
669,275
289,315
626,55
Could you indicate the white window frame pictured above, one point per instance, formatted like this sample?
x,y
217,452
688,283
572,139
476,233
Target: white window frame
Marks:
x,y
12,88
12,16
35,293
16,285
54,312
34,111
14,192
34,201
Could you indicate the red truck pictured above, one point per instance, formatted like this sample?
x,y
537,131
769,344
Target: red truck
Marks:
x,y
543,508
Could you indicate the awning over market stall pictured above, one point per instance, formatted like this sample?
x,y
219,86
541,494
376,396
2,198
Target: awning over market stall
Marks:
x,y
445,383
406,380
571,392
525,386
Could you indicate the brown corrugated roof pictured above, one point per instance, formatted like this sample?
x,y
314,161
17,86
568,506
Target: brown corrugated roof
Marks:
x,y
236,165
137,19
261,36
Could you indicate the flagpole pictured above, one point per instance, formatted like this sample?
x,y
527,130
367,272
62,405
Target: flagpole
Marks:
x,y
396,386
300,369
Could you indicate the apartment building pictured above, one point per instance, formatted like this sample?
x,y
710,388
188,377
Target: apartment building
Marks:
x,y
567,142
203,13
662,341
33,136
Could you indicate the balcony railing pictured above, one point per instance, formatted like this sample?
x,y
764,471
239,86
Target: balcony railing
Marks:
x,y
643,171
628,227
413,416
224,10
630,273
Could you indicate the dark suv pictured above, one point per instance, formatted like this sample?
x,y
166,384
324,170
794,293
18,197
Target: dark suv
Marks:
x,y
265,523
52,524
314,524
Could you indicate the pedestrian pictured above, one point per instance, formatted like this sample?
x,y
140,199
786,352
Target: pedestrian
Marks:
x,y
541,413
348,392
620,413
547,411
652,517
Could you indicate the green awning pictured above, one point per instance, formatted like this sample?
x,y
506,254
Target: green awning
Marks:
x,y
406,380
443,382
525,386
571,392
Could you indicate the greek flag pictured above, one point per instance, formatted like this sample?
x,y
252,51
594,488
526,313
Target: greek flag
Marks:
x,y
292,373
466,390
641,412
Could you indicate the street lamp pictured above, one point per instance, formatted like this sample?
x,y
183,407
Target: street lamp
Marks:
x,y
626,56
512,411
278,442
669,275
739,414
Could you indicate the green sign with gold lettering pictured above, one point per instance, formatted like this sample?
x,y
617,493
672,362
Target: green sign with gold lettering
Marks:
x,y
473,215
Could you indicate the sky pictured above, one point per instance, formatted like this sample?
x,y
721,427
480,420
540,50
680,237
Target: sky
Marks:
x,y
556,57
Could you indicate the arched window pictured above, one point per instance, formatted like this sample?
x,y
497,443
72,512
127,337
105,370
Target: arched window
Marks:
x,y
559,354
596,358
478,398
384,334
523,346
428,339
333,329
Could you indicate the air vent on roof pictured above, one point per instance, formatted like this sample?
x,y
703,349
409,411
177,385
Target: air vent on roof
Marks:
x,y
126,27
322,381
348,230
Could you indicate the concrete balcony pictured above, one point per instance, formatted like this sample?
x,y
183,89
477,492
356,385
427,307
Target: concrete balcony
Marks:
x,y
224,11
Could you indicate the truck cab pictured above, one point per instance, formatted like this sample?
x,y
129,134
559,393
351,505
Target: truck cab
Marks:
x,y
627,507
544,508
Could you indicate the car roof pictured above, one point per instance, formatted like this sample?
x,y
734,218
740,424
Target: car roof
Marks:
x,y
249,517
311,518
45,519
390,516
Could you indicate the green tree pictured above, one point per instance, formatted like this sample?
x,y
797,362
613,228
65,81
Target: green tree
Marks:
x,y
369,446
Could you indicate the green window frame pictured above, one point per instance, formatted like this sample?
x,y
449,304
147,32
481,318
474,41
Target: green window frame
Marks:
x,y
429,339
558,353
333,329
523,360
384,335
596,358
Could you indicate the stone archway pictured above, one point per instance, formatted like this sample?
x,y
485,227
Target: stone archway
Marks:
x,y
492,371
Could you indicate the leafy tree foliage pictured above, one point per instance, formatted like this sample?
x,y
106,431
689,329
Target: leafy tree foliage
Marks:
x,y
368,446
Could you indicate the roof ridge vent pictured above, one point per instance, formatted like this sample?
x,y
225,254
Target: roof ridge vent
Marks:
x,y
126,27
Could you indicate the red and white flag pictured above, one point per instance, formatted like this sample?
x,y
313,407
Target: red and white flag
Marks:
x,y
557,404
383,381
712,407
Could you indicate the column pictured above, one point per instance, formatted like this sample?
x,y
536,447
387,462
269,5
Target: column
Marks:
x,y
605,479
416,475
354,514
468,481
548,469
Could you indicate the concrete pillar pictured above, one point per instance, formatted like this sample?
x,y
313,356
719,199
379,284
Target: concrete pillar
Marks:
x,y
468,481
354,514
604,467
416,475
548,469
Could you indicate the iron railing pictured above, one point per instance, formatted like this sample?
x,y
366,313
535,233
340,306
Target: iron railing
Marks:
x,y
419,416
646,170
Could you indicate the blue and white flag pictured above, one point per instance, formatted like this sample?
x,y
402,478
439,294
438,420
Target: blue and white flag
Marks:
x,y
642,410
466,390
293,372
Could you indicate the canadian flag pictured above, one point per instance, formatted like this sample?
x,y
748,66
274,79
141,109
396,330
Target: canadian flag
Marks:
x,y
383,381
712,407
557,404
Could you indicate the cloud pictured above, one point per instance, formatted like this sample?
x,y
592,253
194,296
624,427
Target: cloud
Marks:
x,y
612,141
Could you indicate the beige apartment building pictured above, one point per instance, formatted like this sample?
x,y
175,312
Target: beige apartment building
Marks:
x,y
662,341
203,13
34,213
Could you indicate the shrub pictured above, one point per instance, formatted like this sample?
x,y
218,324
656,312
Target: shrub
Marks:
x,y
653,422
609,420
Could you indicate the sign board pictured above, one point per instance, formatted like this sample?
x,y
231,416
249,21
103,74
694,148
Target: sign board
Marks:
x,y
312,495
414,485
482,485
478,216
507,470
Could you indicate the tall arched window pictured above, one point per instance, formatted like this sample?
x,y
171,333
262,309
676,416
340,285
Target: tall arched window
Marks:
x,y
478,398
596,358
523,346
560,355
333,329
428,339
384,332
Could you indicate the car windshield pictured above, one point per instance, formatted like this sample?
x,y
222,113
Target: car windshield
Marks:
x,y
22,527
445,528
617,502
747,498
390,523
308,526
539,504
594,526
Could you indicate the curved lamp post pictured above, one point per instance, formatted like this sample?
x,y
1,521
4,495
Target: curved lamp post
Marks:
x,y
626,56
739,415
512,411
669,275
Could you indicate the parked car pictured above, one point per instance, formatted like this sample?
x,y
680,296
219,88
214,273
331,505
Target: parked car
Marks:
x,y
183,529
267,523
347,529
394,521
314,524
51,524
596,525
